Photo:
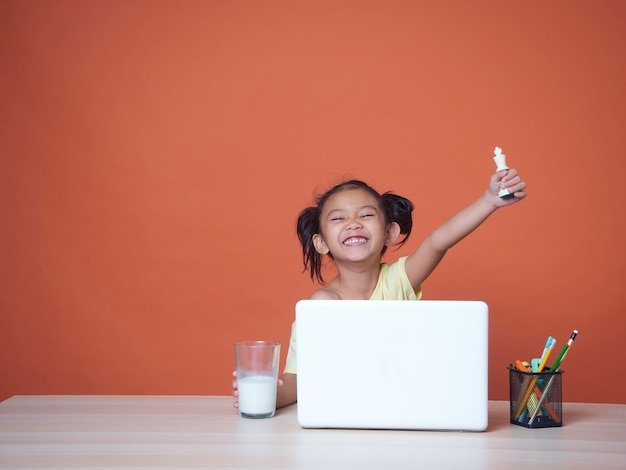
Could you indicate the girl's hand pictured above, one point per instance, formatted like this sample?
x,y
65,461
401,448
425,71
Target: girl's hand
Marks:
x,y
235,390
509,180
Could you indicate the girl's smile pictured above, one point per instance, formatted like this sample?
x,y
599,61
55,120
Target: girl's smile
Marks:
x,y
355,241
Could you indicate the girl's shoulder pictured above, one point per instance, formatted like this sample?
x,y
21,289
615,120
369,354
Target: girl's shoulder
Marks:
x,y
325,293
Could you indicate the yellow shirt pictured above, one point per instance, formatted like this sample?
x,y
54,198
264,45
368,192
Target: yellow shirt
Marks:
x,y
393,284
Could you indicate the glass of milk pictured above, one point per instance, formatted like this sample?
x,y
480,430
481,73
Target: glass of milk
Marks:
x,y
257,377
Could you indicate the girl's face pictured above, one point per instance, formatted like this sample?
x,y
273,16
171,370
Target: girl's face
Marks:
x,y
353,226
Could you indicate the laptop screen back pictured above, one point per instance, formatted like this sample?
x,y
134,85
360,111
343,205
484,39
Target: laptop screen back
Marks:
x,y
392,364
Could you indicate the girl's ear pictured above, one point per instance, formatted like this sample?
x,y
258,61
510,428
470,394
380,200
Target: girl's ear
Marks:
x,y
393,232
320,244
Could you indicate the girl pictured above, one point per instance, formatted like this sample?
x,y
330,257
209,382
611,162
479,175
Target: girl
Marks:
x,y
353,224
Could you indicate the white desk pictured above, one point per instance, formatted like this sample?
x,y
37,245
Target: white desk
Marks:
x,y
206,432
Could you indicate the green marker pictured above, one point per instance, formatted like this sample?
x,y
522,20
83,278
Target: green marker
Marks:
x,y
563,352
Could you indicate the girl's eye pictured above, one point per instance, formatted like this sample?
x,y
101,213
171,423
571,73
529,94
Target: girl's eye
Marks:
x,y
336,219
367,215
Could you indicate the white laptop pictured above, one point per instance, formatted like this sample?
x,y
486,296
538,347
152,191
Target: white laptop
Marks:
x,y
392,364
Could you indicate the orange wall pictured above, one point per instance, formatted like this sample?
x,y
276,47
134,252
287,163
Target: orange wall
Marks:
x,y
155,154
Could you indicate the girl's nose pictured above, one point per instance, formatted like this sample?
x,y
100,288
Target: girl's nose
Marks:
x,y
354,224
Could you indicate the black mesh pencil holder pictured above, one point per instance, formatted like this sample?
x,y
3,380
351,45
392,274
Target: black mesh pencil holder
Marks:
x,y
536,398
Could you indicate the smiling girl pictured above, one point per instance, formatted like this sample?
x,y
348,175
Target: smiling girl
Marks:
x,y
354,225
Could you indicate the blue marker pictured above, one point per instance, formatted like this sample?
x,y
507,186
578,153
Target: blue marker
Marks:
x,y
546,347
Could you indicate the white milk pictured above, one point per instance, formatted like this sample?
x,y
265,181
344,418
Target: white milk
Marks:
x,y
257,395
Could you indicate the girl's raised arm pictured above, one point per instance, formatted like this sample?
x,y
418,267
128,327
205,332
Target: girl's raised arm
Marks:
x,y
425,259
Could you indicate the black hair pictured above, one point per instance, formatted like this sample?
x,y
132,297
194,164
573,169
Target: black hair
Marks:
x,y
395,208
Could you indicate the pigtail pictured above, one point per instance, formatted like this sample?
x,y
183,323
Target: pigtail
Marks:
x,y
307,226
400,210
